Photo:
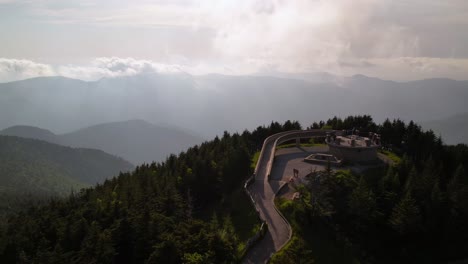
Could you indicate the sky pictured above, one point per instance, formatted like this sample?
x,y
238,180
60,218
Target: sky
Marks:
x,y
90,39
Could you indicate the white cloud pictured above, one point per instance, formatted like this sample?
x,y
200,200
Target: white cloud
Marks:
x,y
397,68
413,68
244,36
304,35
17,69
115,67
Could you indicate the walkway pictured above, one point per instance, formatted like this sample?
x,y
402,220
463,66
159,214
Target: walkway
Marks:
x,y
263,193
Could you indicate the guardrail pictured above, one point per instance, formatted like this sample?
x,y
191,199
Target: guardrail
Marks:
x,y
278,139
263,227
282,216
254,239
286,136
262,152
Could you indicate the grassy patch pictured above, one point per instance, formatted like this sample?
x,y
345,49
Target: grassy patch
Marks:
x,y
293,251
392,156
255,157
293,145
312,241
244,219
240,209
243,215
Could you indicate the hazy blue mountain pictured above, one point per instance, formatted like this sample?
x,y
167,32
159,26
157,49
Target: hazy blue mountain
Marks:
x,y
30,132
453,129
313,77
136,140
213,103
38,167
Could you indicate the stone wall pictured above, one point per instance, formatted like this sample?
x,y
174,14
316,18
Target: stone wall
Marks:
x,y
353,154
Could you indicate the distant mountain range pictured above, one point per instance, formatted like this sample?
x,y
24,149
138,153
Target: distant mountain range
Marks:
x,y
136,140
213,103
39,168
453,129
31,132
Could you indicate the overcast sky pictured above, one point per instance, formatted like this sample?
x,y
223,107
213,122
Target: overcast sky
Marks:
x,y
390,39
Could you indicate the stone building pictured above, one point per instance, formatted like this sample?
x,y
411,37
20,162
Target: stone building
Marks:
x,y
354,148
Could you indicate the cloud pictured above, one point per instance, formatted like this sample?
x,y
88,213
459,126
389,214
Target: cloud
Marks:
x,y
240,37
414,68
335,35
357,64
304,35
116,67
17,69
398,68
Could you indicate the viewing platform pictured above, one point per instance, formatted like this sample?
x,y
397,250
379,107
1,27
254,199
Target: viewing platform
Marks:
x,y
354,148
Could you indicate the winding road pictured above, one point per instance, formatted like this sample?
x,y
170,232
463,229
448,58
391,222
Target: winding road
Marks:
x,y
263,192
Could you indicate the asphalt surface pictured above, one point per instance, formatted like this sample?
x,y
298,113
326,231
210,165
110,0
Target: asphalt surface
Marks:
x,y
263,193
293,158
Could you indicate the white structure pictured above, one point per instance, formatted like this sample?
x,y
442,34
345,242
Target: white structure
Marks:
x,y
354,148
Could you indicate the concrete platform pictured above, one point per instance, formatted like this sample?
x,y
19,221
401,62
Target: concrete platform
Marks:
x,y
293,158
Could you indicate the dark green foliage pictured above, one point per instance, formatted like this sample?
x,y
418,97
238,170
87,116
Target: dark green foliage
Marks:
x,y
414,211
35,170
362,123
181,210
156,214
362,205
406,217
130,219
295,252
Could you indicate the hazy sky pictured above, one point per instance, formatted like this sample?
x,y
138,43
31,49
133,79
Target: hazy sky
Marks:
x,y
392,39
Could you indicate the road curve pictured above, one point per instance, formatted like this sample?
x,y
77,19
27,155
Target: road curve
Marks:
x,y
263,193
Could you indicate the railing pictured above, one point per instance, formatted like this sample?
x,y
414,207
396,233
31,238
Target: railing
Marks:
x,y
254,239
284,218
278,139
262,152
286,136
281,139
263,227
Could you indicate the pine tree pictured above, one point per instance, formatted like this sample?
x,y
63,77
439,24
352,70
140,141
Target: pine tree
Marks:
x,y
458,191
362,204
406,216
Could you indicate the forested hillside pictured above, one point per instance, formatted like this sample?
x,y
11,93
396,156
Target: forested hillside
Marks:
x,y
30,132
210,104
186,209
34,168
414,211
134,140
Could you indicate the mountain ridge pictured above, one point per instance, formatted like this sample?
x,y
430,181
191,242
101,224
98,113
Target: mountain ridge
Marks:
x,y
135,140
43,169
211,104
453,129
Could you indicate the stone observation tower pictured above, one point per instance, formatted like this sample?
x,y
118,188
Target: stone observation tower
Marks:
x,y
352,147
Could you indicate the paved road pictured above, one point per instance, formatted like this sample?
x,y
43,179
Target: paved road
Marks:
x,y
263,192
